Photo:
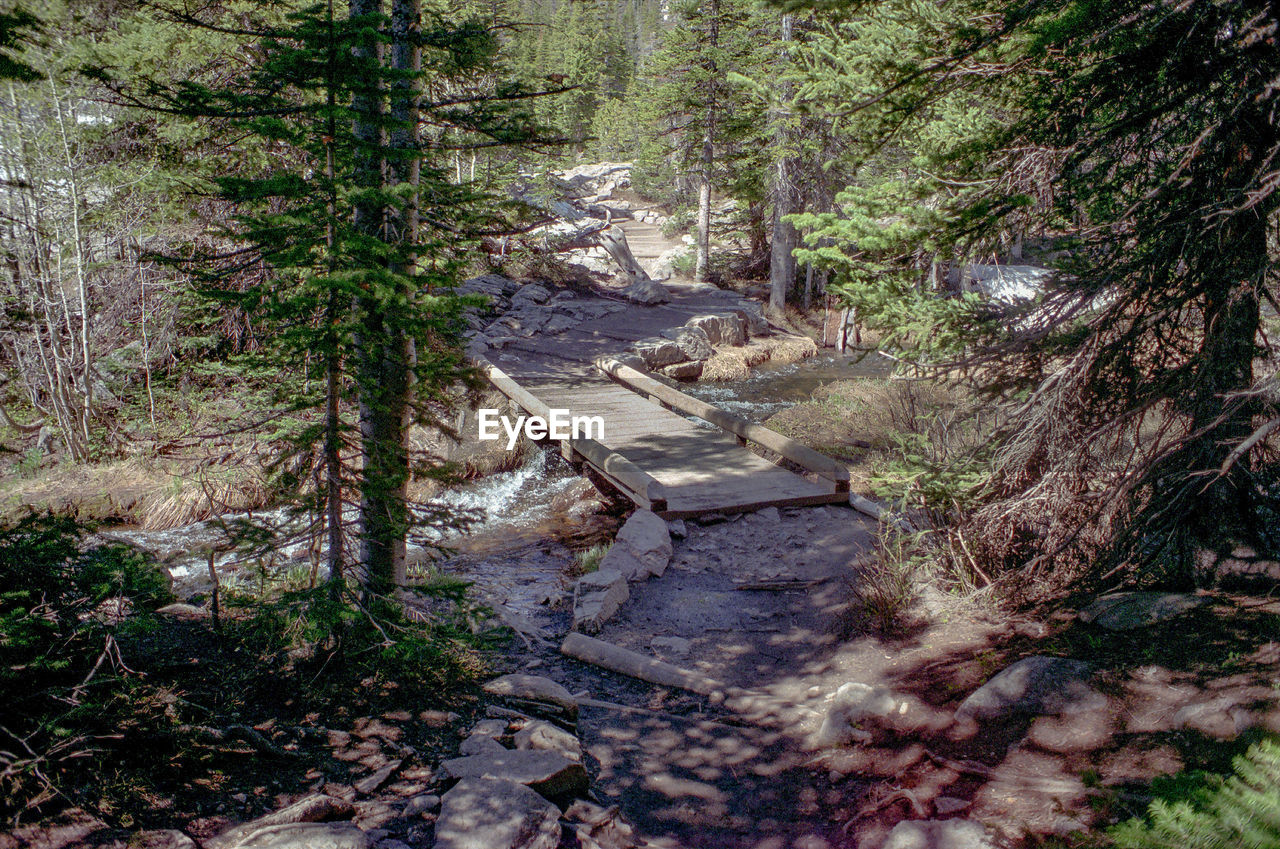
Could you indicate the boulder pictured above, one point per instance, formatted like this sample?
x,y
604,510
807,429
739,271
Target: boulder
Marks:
x,y
684,371
646,292
530,293
658,352
938,834
692,341
307,835
721,329
496,814
167,838
543,736
664,266
535,692
753,317
852,704
480,744
631,361
319,808
549,773
1035,685
1125,611
421,805
642,548
372,782
494,285
597,597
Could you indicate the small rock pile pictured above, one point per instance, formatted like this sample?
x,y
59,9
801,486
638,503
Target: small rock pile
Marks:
x,y
518,783
520,311
641,550
681,352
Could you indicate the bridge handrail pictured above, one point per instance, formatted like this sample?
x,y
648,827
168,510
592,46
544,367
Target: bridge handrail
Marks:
x,y
611,463
801,455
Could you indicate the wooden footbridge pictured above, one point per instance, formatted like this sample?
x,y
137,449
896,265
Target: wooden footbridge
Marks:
x,y
652,452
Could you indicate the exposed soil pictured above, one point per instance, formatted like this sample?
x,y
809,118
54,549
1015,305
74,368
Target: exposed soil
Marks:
x,y
1186,694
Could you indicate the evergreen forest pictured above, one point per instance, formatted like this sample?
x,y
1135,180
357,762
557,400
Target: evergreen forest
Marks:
x,y
258,258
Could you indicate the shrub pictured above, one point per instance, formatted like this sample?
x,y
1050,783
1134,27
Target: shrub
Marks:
x,y
62,605
1205,811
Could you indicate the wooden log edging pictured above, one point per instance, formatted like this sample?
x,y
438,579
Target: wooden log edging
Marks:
x,y
642,487
759,708
802,455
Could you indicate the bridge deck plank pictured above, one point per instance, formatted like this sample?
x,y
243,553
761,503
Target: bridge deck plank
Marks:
x,y
702,469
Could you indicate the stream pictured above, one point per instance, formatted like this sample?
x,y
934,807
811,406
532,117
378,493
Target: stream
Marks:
x,y
512,508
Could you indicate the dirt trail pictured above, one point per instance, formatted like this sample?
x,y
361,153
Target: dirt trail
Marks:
x,y
760,601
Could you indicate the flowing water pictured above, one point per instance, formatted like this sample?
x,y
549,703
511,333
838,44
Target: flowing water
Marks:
x,y
511,509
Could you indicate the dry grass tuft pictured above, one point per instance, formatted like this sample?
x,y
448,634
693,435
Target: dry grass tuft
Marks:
x,y
154,494
858,421
736,363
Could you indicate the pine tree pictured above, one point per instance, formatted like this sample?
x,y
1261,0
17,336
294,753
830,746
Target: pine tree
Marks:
x,y
365,236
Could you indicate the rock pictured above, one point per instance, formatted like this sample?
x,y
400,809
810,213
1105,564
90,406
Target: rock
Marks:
x,y
632,361
597,827
944,805
491,728
1125,611
684,371
421,805
677,528
307,835
559,324
312,809
671,646
664,266
549,773
851,704
658,352
534,691
938,834
753,316
769,515
721,329
646,292
597,597
370,783
187,612
479,744
1004,283
168,838
1034,685
543,736
530,293
642,548
496,814
391,843
494,285
692,341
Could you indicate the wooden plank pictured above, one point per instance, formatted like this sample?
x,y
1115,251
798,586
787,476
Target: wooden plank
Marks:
x,y
630,478
774,441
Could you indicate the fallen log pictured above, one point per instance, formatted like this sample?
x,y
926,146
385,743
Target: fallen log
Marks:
x,y
759,708
636,665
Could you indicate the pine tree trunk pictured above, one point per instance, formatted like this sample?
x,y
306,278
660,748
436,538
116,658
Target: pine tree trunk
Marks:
x,y
379,521
702,264
782,265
